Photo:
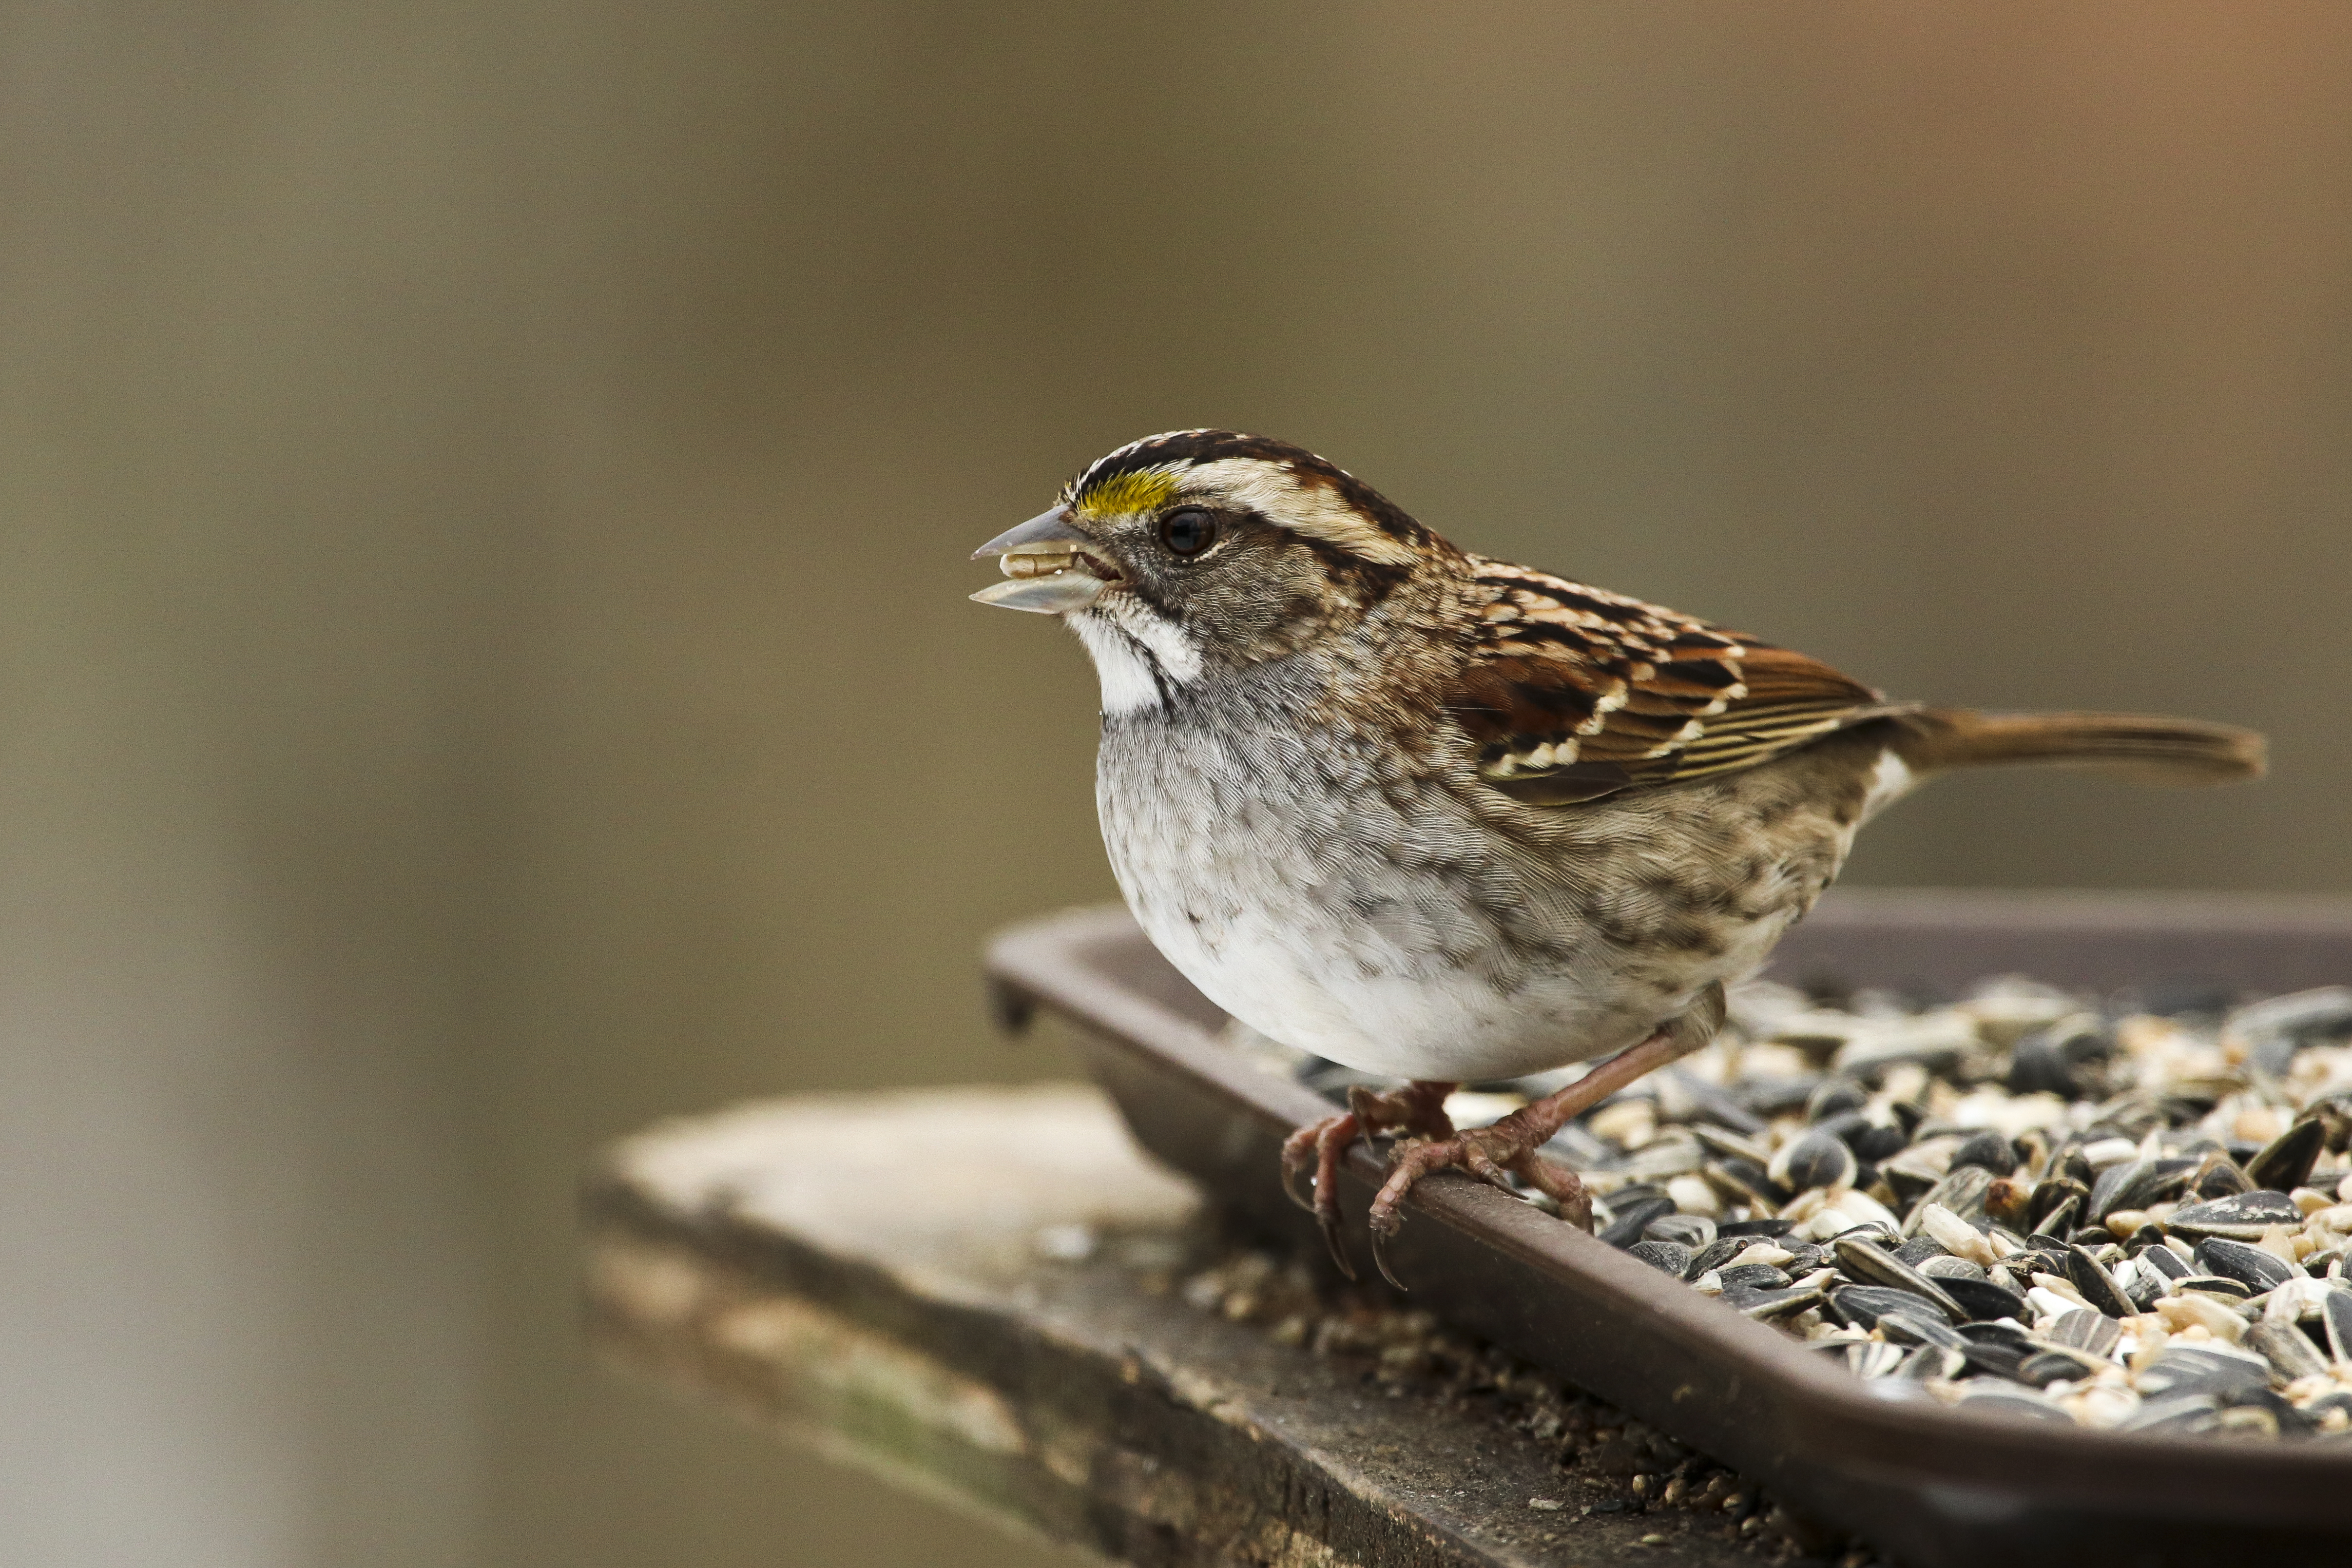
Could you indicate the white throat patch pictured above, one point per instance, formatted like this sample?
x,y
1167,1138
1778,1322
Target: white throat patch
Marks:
x,y
1133,656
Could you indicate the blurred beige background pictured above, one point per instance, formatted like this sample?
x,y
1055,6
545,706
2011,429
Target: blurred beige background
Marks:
x,y
485,488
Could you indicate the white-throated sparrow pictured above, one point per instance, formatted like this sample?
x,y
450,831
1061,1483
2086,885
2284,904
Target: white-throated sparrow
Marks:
x,y
1440,817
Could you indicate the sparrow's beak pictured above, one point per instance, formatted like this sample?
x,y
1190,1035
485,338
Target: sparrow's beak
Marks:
x,y
1051,572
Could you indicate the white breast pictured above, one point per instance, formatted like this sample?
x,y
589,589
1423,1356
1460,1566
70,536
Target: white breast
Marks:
x,y
1369,925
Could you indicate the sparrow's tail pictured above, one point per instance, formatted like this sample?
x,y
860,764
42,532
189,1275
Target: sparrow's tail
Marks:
x,y
2150,749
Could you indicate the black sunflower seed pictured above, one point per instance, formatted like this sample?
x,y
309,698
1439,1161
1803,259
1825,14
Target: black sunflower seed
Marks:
x,y
2242,1217
1987,1150
2220,1177
1766,1305
2009,1334
2105,1194
2336,1310
1715,1254
1871,1265
1835,1096
1816,1159
1633,1218
1983,1301
2290,1352
2185,1369
2096,1285
2044,1367
1915,1326
1753,1229
1745,1182
1863,1305
2085,1329
2285,1165
1672,1257
2250,1266
1931,1363
1684,1230
2153,1182
1754,1277
1962,1191
1919,1249
1994,1358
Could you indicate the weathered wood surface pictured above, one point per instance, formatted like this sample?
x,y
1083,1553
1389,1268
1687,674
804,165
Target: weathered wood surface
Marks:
x,y
971,1292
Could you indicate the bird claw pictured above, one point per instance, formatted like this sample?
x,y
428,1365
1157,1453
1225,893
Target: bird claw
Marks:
x,y
1419,1111
1290,1187
1329,1222
1303,1151
1380,1255
1318,1147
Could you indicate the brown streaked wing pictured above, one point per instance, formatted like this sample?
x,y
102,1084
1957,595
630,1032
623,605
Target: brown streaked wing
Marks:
x,y
1574,692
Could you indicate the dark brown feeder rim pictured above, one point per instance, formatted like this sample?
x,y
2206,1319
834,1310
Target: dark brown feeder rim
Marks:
x,y
1932,1484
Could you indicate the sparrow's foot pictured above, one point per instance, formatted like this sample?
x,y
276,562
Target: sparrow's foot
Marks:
x,y
1419,1108
1510,1144
1486,1153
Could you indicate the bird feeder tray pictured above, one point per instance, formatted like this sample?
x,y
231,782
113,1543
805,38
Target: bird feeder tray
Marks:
x,y
1930,1484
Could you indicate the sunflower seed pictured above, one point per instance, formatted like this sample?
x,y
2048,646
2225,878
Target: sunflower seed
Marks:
x,y
2250,1266
2241,1217
2290,1353
1876,1266
2097,1286
2085,1329
2285,1163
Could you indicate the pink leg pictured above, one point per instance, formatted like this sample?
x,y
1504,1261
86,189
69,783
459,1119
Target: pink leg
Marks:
x,y
1511,1143
1418,1108
1561,1185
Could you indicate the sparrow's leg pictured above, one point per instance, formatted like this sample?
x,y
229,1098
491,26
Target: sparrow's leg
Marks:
x,y
1511,1143
1418,1108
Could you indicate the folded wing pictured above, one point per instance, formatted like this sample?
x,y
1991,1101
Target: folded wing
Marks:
x,y
1573,692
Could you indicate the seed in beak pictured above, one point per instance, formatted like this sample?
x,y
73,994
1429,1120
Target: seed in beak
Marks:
x,y
1037,563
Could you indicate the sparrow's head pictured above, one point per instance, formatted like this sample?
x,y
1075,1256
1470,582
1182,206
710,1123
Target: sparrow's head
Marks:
x,y
1205,547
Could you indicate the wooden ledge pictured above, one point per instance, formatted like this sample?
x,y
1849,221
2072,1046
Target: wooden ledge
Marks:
x,y
973,1292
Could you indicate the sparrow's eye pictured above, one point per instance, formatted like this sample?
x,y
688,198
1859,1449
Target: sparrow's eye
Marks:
x,y
1188,531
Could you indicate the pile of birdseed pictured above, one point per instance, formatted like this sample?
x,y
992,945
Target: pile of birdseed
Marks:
x,y
2119,1212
